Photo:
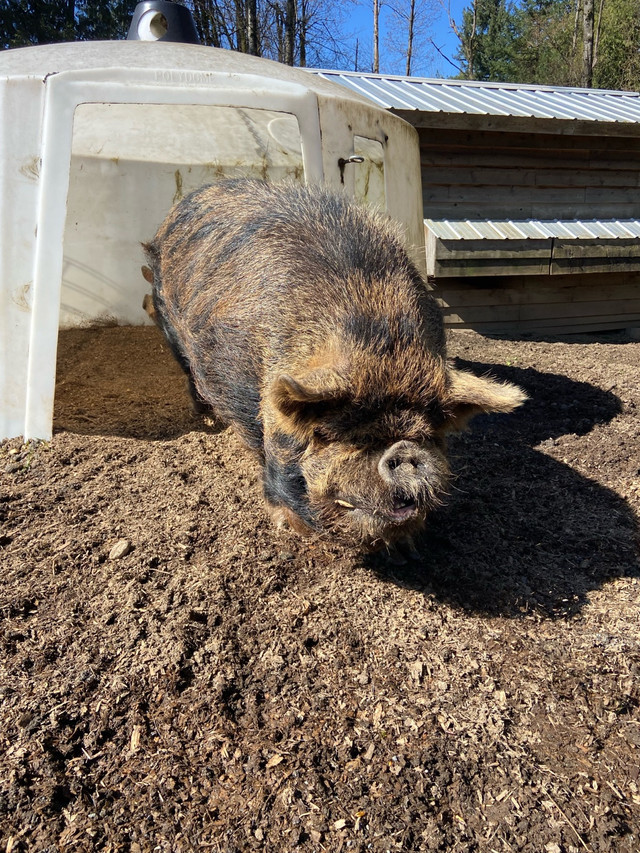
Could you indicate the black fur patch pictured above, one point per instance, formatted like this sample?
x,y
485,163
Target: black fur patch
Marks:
x,y
205,230
237,401
239,241
185,213
282,441
283,481
172,337
380,334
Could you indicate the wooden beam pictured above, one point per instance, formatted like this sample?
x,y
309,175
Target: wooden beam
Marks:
x,y
499,140
545,175
493,250
528,208
518,124
529,303
614,288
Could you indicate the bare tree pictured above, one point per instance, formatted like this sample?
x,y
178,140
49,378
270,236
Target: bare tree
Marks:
x,y
216,22
303,23
587,45
293,31
577,12
242,41
289,31
376,36
445,5
410,35
596,40
468,38
252,27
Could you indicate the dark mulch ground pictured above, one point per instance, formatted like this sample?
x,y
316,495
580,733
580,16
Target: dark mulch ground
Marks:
x,y
222,687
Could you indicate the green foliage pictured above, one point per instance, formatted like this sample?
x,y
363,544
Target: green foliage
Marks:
x,y
31,22
541,41
617,62
548,46
486,38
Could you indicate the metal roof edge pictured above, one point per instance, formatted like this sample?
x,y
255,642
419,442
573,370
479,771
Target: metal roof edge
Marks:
x,y
478,84
534,229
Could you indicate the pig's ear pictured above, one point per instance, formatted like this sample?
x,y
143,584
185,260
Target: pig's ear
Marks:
x,y
469,395
294,396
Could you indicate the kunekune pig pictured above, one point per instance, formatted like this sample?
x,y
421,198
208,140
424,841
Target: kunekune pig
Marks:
x,y
301,321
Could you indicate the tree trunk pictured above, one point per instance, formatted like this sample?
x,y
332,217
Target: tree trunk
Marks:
x,y
576,21
71,20
596,39
412,21
470,48
302,34
587,47
376,37
289,32
252,28
241,27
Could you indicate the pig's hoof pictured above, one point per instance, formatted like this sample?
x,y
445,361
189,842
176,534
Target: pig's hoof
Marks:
x,y
410,548
404,551
199,407
279,518
395,558
147,304
214,424
284,519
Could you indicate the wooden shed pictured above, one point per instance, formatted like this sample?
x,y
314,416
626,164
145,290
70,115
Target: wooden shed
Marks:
x,y
531,200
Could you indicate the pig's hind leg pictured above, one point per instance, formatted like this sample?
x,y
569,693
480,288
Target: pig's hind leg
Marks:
x,y
198,405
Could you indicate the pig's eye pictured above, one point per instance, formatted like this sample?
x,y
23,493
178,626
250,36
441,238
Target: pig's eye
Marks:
x,y
320,434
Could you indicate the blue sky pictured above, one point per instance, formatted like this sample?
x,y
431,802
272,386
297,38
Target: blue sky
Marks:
x,y
428,62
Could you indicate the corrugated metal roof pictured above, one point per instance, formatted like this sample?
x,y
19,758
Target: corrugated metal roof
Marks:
x,y
534,229
501,99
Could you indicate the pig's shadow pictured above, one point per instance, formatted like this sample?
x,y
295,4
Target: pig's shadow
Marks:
x,y
522,531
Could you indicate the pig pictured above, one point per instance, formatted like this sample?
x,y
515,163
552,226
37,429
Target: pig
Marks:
x,y
301,321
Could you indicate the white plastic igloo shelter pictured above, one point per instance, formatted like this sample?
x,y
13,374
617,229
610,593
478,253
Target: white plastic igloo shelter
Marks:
x,y
99,139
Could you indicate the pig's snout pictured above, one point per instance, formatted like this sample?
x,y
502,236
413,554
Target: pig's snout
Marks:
x,y
411,469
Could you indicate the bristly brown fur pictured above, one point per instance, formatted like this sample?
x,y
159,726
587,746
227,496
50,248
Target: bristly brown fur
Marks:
x,y
302,322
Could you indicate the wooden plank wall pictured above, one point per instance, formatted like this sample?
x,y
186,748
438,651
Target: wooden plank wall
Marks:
x,y
555,256
469,174
547,305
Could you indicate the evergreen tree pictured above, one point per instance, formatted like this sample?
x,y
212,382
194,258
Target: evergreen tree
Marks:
x,y
486,40
546,44
552,42
617,57
31,22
